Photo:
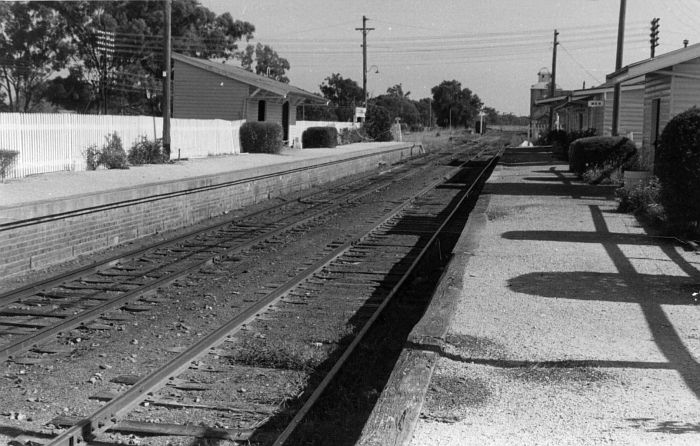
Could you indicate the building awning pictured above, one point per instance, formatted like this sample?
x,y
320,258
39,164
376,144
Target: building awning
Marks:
x,y
262,87
552,101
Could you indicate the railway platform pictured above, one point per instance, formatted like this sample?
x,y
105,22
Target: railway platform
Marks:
x,y
51,218
558,321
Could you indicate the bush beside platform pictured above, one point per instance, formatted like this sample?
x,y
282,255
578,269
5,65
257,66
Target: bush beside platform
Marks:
x,y
261,137
317,137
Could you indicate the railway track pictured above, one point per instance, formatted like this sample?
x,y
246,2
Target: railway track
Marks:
x,y
33,314
347,285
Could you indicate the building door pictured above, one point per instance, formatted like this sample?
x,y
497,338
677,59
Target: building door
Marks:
x,y
261,111
285,121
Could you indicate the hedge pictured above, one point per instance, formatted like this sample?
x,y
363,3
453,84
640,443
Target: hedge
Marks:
x,y
596,151
378,123
261,137
560,140
315,137
678,168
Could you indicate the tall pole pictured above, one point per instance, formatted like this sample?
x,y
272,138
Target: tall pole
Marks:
x,y
167,74
553,84
430,113
364,30
618,65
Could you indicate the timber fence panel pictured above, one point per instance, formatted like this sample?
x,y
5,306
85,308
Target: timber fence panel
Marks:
x,y
55,142
199,138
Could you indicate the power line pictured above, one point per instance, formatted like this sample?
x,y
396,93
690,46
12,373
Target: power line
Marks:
x,y
579,64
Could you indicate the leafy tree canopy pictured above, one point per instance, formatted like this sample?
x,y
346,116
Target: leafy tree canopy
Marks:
x,y
113,49
399,107
267,62
454,104
33,44
397,90
341,92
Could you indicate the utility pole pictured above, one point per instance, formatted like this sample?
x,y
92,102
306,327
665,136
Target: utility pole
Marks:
x,y
364,30
553,84
167,74
654,36
618,65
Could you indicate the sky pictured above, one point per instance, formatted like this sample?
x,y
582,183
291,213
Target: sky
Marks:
x,y
493,47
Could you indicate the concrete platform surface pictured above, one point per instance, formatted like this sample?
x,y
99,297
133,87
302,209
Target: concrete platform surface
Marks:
x,y
58,185
571,325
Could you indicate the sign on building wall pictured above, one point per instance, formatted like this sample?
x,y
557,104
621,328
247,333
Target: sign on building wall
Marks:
x,y
596,103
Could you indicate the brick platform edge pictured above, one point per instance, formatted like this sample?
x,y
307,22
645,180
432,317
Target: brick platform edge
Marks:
x,y
396,412
45,233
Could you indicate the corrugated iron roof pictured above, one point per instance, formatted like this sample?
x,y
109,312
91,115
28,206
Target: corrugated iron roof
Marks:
x,y
237,73
643,67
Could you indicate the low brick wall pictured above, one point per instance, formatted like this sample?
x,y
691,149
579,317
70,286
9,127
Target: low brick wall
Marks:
x,y
45,233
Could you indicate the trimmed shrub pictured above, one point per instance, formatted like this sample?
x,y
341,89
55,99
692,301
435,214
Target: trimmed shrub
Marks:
x,y
597,151
678,168
560,140
146,151
261,137
7,158
315,137
378,123
112,155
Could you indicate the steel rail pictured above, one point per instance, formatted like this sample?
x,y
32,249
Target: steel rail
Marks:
x,y
108,416
32,288
386,300
33,339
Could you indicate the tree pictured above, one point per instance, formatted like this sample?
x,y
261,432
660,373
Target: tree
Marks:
x,y
398,107
378,123
397,90
267,62
427,117
344,94
33,45
454,105
340,91
120,45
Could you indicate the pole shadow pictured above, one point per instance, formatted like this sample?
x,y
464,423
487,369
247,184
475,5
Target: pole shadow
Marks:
x,y
650,292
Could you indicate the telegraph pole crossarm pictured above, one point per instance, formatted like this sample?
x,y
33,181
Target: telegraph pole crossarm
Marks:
x,y
654,36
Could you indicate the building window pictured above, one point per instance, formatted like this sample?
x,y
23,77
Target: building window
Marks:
x,y
261,110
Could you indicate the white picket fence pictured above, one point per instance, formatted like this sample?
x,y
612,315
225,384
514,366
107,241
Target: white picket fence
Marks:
x,y
54,142
296,130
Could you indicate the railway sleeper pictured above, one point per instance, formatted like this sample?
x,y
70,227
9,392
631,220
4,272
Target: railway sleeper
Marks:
x,y
148,428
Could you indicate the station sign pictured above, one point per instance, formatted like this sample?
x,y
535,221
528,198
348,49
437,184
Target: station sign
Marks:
x,y
596,103
360,112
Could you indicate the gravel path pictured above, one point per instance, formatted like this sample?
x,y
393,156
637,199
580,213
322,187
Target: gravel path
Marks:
x,y
575,327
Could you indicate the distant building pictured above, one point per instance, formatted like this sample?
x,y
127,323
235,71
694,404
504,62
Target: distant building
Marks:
x,y
591,108
539,111
203,89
